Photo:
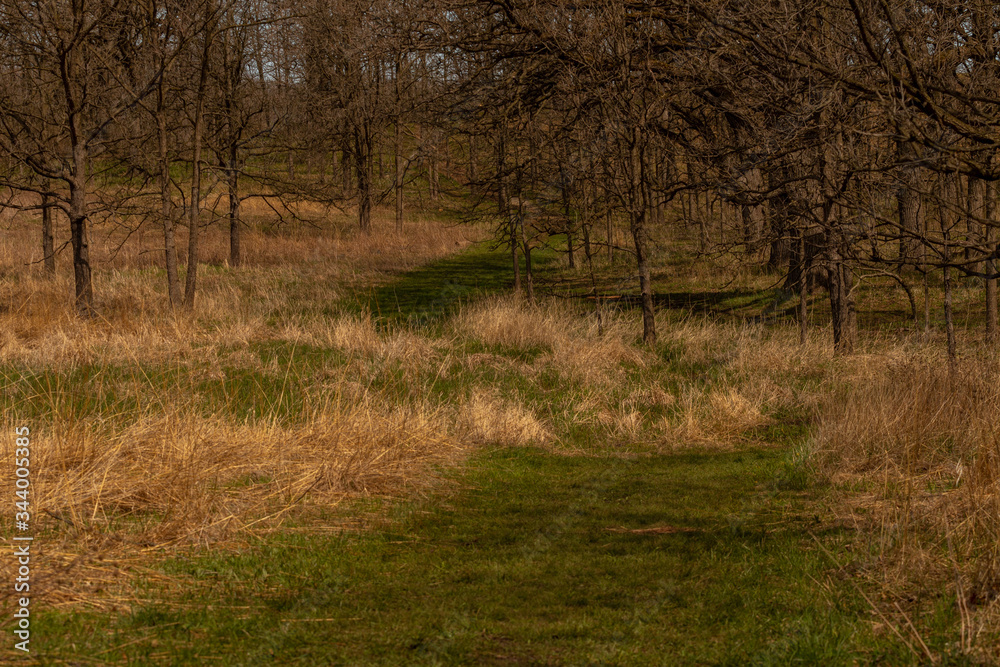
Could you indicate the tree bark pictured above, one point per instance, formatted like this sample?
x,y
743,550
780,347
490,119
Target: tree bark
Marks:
x,y
400,174
609,233
78,232
48,238
526,249
950,189
640,236
842,304
345,165
803,289
77,181
569,223
167,208
194,211
504,210
949,323
909,203
233,186
472,158
433,182
990,288
976,217
363,165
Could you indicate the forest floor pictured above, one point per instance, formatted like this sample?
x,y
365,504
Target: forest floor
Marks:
x,y
602,505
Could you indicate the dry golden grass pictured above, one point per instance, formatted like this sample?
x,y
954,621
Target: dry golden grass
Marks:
x,y
575,346
488,418
915,447
112,483
923,442
303,265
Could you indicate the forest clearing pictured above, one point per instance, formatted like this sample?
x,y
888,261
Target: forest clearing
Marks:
x,y
468,332
355,401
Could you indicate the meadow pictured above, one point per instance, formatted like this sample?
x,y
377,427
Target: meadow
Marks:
x,y
362,449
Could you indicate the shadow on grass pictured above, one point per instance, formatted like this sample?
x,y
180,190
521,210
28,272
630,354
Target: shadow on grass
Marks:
x,y
428,294
541,559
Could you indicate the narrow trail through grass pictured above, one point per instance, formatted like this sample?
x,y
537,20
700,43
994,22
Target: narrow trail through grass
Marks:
x,y
533,558
524,556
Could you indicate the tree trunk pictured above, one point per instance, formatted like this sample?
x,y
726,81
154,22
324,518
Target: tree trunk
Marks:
x,y
611,245
990,292
84,301
48,237
976,218
472,159
400,173
909,203
345,165
990,267
949,193
233,184
754,216
526,249
637,220
433,180
167,209
512,223
432,168
585,223
949,323
191,279
397,145
504,210
363,166
78,233
842,305
569,223
803,289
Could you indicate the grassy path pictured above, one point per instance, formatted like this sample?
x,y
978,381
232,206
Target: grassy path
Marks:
x,y
523,557
531,559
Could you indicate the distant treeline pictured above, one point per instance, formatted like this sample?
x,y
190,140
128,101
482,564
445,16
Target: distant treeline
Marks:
x,y
820,138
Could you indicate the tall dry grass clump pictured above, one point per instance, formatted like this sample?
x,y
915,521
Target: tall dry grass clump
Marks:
x,y
736,377
578,347
920,445
176,477
490,419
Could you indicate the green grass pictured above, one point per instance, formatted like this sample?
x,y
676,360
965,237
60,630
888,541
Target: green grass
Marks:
x,y
529,561
430,293
522,556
